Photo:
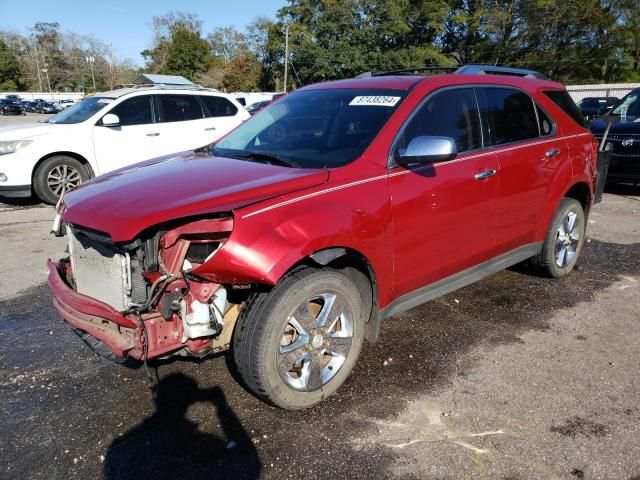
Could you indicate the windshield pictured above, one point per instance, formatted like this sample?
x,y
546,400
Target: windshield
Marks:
x,y
629,107
313,128
81,111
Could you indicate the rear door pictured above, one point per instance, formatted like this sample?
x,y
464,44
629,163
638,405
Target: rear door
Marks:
x,y
136,138
443,212
221,116
529,151
182,122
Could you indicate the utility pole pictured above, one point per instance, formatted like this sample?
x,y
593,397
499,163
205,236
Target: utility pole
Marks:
x,y
90,60
35,46
46,70
286,55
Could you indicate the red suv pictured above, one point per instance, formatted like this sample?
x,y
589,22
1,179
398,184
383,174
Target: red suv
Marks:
x,y
339,205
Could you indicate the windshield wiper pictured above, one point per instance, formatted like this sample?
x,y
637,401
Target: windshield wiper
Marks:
x,y
268,157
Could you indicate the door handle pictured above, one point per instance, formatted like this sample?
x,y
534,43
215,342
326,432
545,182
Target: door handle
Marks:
x,y
485,174
210,129
154,134
552,153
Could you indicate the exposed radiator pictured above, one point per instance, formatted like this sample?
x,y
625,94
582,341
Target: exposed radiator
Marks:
x,y
104,274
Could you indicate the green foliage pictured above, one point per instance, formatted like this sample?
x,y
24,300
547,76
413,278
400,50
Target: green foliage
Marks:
x,y
9,69
242,73
188,55
573,41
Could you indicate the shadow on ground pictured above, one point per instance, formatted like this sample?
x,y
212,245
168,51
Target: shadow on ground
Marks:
x,y
20,202
624,189
168,444
58,398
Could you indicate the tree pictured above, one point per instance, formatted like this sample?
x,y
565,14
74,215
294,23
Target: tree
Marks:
x,y
9,69
343,38
164,27
227,43
242,73
188,54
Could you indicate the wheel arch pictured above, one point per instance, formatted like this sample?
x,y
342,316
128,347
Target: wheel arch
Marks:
x,y
581,192
360,271
75,155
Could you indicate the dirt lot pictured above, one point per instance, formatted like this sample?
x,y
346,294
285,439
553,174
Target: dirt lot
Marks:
x,y
515,377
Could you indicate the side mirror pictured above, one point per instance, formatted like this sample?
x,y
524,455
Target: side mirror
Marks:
x,y
110,120
426,149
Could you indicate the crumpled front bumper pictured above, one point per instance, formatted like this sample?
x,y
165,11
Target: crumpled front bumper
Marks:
x,y
94,317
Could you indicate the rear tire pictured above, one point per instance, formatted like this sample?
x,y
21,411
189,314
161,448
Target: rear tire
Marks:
x,y
563,243
297,344
57,175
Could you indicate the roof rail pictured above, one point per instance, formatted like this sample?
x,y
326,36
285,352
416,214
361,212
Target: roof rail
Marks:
x,y
407,71
495,70
165,86
461,70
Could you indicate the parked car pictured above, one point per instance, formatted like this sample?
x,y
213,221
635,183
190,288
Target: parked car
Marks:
x,y
10,107
46,107
592,107
13,98
333,208
62,104
30,106
255,107
623,138
109,131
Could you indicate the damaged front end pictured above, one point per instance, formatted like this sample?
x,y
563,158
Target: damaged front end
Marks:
x,y
144,299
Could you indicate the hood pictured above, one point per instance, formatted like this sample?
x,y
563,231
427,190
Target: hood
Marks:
x,y
617,127
123,203
18,132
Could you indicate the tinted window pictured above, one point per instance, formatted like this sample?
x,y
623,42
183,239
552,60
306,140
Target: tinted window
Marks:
x,y
134,111
562,99
218,106
510,115
453,114
178,108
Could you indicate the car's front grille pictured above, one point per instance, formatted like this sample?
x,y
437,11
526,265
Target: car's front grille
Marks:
x,y
105,274
624,145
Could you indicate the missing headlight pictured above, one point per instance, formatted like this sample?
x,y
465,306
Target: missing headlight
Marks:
x,y
200,252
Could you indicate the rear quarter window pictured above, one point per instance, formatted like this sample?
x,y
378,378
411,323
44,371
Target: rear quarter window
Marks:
x,y
563,100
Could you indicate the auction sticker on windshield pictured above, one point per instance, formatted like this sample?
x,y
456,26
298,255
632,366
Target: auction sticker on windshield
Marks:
x,y
375,100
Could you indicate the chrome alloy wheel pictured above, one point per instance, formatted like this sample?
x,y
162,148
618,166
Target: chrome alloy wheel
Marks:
x,y
567,239
62,178
315,343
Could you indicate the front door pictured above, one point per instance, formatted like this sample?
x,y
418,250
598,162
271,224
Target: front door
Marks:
x,y
134,139
443,212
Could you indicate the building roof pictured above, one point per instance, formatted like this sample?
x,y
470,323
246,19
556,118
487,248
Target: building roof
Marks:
x,y
152,79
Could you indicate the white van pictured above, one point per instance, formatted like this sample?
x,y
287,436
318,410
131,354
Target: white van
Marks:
x,y
108,131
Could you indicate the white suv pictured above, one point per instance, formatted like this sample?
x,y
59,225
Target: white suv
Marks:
x,y
108,131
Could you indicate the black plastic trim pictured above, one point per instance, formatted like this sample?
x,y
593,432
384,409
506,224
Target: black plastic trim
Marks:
x,y
459,280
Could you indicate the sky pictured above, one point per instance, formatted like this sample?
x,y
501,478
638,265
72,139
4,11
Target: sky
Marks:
x,y
126,24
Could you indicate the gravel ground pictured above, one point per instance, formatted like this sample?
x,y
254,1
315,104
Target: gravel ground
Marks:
x,y
515,377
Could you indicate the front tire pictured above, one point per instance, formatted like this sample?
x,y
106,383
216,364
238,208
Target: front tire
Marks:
x,y
56,175
297,344
563,243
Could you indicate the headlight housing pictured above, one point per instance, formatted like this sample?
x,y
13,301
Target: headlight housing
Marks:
x,y
12,146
